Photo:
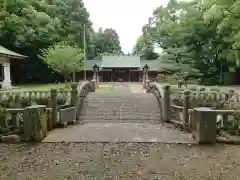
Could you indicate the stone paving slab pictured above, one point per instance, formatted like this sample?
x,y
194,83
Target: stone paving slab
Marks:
x,y
118,132
136,88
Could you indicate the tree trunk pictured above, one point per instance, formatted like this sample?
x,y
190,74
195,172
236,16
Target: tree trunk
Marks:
x,y
74,77
65,78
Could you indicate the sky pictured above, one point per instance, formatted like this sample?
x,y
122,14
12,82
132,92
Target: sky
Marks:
x,y
125,16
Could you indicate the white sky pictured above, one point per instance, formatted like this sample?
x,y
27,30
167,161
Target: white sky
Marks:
x,y
125,16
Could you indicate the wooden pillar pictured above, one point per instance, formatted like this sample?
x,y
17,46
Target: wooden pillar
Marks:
x,y
129,77
111,75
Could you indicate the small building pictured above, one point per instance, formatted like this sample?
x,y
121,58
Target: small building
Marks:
x,y
125,68
5,59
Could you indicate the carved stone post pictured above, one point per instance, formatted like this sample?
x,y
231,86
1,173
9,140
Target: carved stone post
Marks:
x,y
166,103
49,118
73,94
205,121
27,124
186,106
94,75
54,107
191,120
34,123
93,84
144,80
147,79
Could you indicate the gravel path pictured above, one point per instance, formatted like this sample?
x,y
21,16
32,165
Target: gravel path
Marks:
x,y
119,161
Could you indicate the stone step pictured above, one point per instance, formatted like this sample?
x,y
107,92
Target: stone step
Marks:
x,y
117,121
94,117
139,114
120,107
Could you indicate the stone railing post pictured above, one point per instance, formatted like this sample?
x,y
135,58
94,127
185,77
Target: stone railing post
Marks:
x,y
186,106
97,79
147,84
205,125
54,107
73,94
144,80
49,118
32,123
27,125
93,81
166,103
191,120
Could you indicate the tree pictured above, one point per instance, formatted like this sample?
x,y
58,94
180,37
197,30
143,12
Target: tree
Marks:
x,y
107,41
204,33
29,26
144,48
64,59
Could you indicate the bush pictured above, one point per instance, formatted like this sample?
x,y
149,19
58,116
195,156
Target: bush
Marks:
x,y
202,89
193,88
215,89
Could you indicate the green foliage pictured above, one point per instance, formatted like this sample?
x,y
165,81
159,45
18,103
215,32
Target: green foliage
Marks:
x,y
107,42
63,58
27,26
200,37
145,48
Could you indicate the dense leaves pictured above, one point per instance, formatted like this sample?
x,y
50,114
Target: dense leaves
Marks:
x,y
64,59
205,34
28,26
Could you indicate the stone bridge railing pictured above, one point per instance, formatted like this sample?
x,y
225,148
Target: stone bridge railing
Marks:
x,y
31,123
80,92
202,122
162,94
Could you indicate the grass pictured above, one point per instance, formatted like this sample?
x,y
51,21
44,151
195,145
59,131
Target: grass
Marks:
x,y
47,87
40,87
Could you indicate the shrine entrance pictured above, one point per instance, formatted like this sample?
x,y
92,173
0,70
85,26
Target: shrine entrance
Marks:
x,y
120,74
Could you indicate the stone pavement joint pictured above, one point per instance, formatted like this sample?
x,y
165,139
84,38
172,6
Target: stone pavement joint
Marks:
x,y
119,132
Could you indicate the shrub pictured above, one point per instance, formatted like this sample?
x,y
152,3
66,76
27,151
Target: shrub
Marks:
x,y
202,89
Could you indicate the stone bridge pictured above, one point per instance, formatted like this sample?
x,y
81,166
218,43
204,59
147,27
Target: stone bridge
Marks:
x,y
127,114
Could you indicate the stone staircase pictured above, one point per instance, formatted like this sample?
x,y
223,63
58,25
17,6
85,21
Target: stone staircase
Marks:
x,y
119,107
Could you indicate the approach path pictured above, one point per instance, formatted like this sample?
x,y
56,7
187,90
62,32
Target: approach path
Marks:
x,y
127,114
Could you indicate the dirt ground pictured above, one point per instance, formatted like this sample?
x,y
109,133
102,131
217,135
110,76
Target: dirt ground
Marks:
x,y
88,161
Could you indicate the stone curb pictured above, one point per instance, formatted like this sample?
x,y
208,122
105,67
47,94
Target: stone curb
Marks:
x,y
228,140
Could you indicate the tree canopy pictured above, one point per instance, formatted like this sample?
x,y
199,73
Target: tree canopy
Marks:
x,y
64,59
29,26
205,33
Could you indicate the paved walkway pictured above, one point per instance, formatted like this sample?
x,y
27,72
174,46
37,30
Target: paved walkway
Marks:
x,y
119,132
112,132
120,88
136,88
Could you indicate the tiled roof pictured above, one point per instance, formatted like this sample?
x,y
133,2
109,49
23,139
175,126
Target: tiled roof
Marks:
x,y
154,65
121,62
6,52
90,63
